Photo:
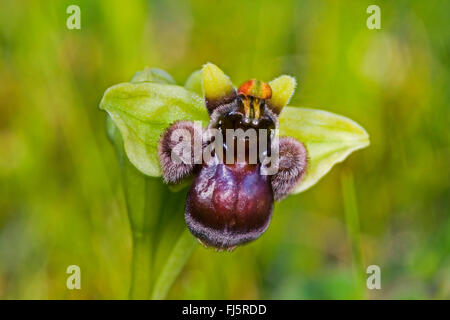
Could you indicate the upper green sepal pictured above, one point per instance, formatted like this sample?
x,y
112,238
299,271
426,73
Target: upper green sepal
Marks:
x,y
153,75
283,89
194,82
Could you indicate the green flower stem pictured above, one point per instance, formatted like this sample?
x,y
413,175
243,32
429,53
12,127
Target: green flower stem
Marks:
x,y
141,267
177,259
143,216
148,199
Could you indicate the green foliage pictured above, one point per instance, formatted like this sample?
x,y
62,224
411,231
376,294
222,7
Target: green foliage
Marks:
x,y
61,193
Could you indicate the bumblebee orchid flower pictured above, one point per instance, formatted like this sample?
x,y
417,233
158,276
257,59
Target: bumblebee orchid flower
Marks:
x,y
230,198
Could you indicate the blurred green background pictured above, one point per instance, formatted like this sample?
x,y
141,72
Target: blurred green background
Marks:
x,y
61,200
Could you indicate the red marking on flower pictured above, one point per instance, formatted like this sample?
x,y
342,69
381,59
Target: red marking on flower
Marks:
x,y
255,88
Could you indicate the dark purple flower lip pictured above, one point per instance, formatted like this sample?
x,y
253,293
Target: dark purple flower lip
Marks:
x,y
227,206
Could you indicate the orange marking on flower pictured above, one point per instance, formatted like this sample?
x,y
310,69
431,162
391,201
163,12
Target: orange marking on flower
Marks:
x,y
255,88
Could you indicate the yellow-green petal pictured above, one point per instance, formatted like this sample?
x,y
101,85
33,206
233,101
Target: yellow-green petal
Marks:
x,y
217,87
283,88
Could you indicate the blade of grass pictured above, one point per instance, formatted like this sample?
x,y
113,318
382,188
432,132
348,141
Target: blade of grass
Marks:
x,y
177,259
353,231
144,197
